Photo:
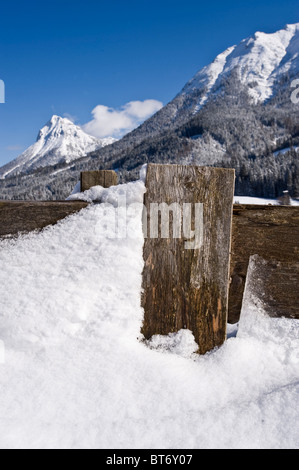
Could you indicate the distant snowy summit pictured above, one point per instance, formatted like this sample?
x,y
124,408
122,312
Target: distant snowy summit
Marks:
x,y
260,62
59,141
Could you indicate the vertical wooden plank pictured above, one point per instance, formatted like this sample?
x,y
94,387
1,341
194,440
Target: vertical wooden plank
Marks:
x,y
104,178
188,288
271,232
273,286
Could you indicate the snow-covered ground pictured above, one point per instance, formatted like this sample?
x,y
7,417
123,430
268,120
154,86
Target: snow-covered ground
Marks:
x,y
260,201
78,375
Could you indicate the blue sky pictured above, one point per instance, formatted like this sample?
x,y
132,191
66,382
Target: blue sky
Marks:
x,y
66,58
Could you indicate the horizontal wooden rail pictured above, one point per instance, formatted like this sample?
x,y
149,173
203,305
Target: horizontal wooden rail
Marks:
x,y
22,216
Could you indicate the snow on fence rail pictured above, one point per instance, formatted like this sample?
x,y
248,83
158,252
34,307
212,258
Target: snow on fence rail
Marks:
x,y
26,216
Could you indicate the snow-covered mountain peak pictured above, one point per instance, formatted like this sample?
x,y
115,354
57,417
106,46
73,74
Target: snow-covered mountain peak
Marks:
x,y
292,27
60,140
57,127
259,60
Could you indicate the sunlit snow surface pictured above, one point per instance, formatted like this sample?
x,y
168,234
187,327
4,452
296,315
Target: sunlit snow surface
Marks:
x,y
78,375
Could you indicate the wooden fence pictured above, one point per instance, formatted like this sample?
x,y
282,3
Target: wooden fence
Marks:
x,y
23,216
199,286
189,288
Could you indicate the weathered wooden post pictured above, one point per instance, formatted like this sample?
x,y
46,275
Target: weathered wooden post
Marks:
x,y
186,273
104,178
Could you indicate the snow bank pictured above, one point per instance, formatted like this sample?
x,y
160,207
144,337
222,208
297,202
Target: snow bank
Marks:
x,y
77,373
124,194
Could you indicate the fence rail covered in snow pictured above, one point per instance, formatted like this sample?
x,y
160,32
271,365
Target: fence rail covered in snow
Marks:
x,y
27,216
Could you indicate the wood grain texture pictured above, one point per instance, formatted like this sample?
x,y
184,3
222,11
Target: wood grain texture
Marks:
x,y
272,285
185,288
104,178
272,232
23,217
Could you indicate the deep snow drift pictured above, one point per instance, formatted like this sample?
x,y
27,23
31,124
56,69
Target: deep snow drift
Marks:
x,y
78,375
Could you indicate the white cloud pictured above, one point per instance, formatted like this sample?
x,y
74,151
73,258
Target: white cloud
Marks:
x,y
113,122
70,117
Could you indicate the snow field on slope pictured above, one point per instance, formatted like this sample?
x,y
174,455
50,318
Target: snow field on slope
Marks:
x,y
78,375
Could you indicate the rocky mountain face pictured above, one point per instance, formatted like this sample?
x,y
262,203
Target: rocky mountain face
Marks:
x,y
236,112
